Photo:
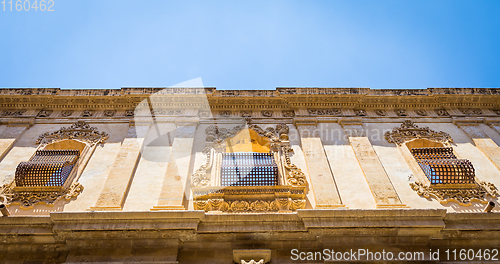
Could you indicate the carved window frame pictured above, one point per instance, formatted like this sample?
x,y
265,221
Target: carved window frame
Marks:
x,y
28,196
209,195
463,194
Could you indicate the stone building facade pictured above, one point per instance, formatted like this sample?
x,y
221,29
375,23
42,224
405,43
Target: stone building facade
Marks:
x,y
198,175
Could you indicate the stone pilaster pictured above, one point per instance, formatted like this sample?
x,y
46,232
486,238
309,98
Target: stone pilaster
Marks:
x,y
323,184
484,143
120,177
495,124
380,185
10,135
175,192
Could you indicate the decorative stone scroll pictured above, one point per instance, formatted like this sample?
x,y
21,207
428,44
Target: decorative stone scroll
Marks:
x,y
79,131
29,198
462,196
288,195
409,131
473,111
13,112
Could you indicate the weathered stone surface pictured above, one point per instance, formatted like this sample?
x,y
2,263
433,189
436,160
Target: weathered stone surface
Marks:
x,y
322,179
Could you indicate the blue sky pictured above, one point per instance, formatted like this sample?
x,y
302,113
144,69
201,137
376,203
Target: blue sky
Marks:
x,y
252,44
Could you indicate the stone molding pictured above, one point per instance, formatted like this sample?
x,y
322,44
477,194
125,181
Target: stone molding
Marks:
x,y
322,101
83,231
353,127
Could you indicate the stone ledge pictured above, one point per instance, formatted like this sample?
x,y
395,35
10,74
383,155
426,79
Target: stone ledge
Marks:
x,y
373,218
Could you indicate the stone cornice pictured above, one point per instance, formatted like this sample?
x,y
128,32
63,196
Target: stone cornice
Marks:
x,y
321,102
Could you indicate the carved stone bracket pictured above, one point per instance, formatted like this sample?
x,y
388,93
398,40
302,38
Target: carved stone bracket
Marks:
x,y
408,131
79,131
461,196
242,206
9,195
236,199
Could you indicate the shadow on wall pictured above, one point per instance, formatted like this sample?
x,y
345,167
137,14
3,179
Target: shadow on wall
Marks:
x,y
475,207
38,209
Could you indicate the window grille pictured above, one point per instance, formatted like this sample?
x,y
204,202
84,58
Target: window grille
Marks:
x,y
46,168
249,169
441,166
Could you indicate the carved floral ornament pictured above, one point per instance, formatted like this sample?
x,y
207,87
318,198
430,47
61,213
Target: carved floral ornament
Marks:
x,y
463,196
409,131
289,195
29,196
79,131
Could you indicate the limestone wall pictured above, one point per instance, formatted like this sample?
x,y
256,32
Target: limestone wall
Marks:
x,y
348,162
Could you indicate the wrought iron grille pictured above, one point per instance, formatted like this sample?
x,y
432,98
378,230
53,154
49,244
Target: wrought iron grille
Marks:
x,y
249,169
46,168
441,166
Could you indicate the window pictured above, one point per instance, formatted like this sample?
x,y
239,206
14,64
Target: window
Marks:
x,y
441,166
52,172
46,168
249,169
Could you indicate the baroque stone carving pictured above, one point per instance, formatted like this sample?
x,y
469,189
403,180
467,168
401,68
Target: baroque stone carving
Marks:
x,y
421,112
203,113
66,113
13,112
324,111
462,196
252,262
381,112
109,113
290,194
267,113
288,113
217,135
129,112
246,114
9,195
442,112
497,111
79,131
401,112
87,113
224,113
44,113
360,112
244,206
471,111
201,177
163,112
408,131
